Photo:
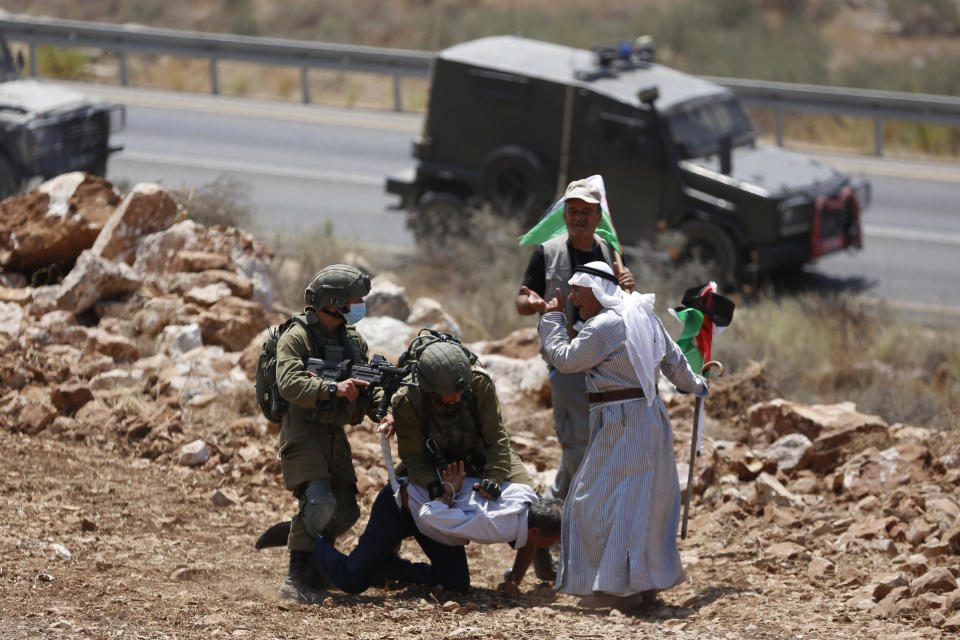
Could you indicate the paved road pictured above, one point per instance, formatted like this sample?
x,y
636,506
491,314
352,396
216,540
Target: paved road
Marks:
x,y
307,165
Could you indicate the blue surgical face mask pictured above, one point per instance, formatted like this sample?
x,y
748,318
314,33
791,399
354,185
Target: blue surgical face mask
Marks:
x,y
356,312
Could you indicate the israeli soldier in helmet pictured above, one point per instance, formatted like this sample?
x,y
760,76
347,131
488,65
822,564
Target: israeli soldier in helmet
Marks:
x,y
315,454
465,481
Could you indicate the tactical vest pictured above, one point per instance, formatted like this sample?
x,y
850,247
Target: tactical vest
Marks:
x,y
454,435
335,411
558,269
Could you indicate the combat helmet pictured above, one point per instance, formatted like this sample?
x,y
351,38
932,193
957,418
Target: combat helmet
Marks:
x,y
335,286
443,368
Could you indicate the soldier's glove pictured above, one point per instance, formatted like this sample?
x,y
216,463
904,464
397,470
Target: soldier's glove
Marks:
x,y
435,490
490,486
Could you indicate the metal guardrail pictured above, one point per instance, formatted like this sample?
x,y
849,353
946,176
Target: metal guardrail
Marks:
x,y
780,97
129,38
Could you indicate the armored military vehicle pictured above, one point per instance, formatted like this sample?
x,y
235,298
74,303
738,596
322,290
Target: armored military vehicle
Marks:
x,y
511,120
46,130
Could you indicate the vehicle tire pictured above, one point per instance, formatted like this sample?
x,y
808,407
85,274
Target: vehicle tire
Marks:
x,y
709,245
513,181
9,179
438,215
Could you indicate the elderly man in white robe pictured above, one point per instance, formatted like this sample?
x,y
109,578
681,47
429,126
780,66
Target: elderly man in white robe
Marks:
x,y
620,518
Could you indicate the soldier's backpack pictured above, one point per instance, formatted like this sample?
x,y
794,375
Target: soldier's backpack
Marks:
x,y
269,399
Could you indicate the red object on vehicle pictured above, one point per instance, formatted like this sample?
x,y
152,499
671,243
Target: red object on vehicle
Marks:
x,y
851,235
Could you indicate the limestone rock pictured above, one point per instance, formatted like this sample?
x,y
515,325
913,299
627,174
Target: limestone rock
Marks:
x,y
873,472
239,285
785,550
792,451
194,454
20,296
917,564
525,382
387,298
871,527
885,607
53,224
116,346
429,313
96,415
36,416
387,336
742,461
886,583
769,489
232,323
820,568
185,260
224,497
836,430
11,319
94,278
67,398
112,379
937,580
145,210
179,338
208,295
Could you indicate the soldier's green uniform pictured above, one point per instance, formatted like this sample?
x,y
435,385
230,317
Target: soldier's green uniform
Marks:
x,y
313,445
315,454
455,432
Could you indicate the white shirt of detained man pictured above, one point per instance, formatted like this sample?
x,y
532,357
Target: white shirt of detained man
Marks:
x,y
471,517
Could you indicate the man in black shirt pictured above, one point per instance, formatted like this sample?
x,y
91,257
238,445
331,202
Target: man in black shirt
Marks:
x,y
547,273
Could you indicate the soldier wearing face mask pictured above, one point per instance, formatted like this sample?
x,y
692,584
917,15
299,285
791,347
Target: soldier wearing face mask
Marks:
x,y
314,451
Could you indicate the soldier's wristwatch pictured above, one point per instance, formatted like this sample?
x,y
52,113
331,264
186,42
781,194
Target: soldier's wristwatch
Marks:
x,y
332,388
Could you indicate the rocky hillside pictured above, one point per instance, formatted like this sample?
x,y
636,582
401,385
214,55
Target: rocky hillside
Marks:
x,y
139,471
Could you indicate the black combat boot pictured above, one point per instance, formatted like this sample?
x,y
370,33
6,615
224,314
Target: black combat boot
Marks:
x,y
297,586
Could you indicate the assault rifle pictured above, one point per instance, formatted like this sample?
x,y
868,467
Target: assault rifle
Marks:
x,y
379,373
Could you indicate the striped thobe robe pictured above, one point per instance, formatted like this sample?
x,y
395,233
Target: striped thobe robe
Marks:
x,y
621,514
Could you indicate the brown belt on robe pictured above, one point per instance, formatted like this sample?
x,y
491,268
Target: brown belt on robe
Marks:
x,y
613,396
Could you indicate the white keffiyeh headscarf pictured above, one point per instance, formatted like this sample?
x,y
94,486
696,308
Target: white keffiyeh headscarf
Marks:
x,y
645,346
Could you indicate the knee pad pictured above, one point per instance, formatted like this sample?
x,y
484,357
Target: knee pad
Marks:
x,y
319,508
346,513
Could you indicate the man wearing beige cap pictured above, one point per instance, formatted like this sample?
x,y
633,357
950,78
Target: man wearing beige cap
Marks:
x,y
550,268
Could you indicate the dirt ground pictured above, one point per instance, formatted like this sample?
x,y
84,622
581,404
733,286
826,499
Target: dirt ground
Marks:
x,y
96,544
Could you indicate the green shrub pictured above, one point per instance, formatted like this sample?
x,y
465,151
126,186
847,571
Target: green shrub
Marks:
x,y
66,64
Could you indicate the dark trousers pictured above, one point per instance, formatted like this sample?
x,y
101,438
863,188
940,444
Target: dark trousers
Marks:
x,y
375,557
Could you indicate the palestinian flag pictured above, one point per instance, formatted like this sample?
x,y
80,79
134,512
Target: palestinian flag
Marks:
x,y
703,313
551,223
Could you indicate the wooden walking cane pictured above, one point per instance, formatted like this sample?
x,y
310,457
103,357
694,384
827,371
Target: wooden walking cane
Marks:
x,y
697,410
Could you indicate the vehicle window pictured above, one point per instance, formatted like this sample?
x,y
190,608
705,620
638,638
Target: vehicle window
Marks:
x,y
699,129
498,86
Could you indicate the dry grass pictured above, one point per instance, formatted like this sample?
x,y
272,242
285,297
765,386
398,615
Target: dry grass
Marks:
x,y
829,348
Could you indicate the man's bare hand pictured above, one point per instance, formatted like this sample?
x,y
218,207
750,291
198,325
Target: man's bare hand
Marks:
x,y
625,277
454,474
555,304
350,388
509,589
534,300
387,426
